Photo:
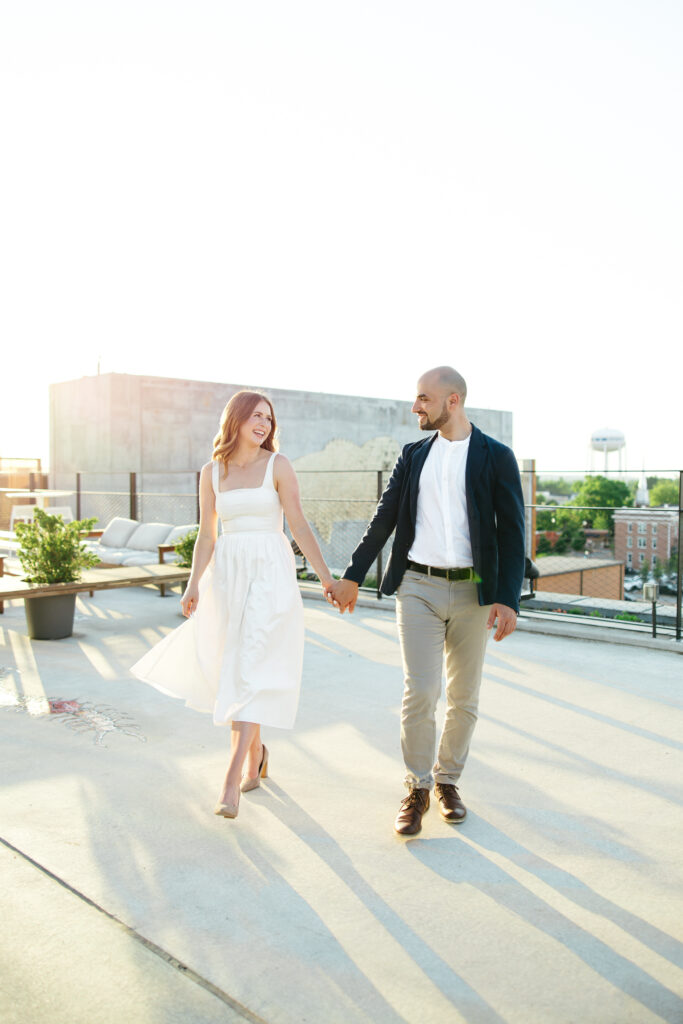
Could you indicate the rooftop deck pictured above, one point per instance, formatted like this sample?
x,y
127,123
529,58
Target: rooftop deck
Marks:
x,y
125,899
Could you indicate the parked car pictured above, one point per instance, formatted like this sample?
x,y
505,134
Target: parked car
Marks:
x,y
633,583
668,587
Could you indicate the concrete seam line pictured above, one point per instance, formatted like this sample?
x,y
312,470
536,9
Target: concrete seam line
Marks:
x,y
168,958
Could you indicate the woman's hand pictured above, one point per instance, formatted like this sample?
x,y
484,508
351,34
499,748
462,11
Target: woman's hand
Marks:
x,y
327,583
190,600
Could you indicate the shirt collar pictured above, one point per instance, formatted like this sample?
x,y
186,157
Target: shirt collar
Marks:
x,y
447,445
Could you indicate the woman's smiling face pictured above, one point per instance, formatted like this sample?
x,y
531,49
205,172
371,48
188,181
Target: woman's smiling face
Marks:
x,y
257,428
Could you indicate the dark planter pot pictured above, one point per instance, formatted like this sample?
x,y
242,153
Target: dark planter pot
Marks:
x,y
50,618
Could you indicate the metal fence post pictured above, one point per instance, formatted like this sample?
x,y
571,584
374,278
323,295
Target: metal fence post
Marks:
x,y
380,488
78,495
679,595
529,491
133,497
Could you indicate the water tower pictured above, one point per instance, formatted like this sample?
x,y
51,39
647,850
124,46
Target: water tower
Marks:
x,y
607,440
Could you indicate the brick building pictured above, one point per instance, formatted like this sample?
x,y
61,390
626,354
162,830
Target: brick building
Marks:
x,y
643,534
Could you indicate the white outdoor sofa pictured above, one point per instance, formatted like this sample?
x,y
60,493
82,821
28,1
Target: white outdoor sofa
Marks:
x,y
128,542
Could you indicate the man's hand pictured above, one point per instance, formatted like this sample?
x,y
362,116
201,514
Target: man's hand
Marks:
x,y
343,594
507,620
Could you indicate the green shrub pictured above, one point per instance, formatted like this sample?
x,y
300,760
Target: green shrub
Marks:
x,y
628,617
543,545
185,548
51,550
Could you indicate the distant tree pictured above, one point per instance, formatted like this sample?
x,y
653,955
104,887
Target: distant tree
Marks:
x,y
578,540
598,491
568,520
657,570
653,480
560,486
543,545
545,520
664,493
561,545
600,520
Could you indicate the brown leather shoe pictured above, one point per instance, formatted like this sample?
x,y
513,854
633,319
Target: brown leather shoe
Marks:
x,y
451,806
409,818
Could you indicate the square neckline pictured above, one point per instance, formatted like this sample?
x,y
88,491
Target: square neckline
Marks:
x,y
230,490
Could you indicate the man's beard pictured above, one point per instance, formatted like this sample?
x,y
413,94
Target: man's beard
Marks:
x,y
435,424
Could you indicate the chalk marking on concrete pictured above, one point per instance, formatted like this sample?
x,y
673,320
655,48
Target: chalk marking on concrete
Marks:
x,y
172,961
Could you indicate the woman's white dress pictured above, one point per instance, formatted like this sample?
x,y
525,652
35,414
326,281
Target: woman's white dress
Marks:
x,y
240,655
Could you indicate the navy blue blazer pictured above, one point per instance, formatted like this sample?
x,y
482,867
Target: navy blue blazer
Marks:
x,y
495,511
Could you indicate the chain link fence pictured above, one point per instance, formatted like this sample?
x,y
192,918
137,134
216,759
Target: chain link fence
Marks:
x,y
105,498
339,506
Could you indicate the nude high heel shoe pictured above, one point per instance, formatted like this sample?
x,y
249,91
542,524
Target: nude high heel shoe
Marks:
x,y
247,783
227,810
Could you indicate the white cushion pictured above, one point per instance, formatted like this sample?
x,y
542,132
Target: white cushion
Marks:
x,y
147,536
113,556
117,532
178,532
141,558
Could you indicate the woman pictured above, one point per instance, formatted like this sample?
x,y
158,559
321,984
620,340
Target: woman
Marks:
x,y
240,654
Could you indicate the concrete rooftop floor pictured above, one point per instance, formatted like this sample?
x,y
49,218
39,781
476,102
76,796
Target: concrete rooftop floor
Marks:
x,y
125,898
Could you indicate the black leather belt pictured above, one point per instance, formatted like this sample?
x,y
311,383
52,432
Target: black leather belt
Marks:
x,y
446,574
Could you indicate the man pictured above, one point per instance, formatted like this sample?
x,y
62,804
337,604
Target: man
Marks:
x,y
457,565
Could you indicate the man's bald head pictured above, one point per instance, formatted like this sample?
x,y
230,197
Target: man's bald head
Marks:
x,y
440,402
447,381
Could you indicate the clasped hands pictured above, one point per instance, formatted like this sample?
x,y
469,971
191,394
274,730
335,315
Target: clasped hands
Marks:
x,y
342,594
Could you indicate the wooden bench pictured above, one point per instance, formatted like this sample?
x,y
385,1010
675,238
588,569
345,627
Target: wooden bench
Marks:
x,y
161,576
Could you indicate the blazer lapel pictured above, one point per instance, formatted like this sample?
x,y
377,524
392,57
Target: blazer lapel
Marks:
x,y
476,458
417,462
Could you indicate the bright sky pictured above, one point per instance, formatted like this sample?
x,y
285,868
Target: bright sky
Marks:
x,y
337,196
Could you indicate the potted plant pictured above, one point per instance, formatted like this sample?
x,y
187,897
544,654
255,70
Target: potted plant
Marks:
x,y
185,548
52,552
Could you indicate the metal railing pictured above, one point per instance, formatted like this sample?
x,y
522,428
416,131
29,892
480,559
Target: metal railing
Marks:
x,y
599,560
582,550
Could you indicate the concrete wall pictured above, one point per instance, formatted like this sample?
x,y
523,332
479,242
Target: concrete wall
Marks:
x,y
118,423
162,429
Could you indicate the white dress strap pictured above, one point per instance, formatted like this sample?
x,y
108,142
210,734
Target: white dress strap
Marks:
x,y
268,478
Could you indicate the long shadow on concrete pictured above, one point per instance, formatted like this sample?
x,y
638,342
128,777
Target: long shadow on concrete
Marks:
x,y
597,716
475,868
301,824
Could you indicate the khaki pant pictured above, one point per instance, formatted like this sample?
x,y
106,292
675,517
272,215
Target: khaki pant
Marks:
x,y
434,616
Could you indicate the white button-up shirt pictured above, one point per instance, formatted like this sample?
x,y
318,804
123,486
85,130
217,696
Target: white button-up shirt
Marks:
x,y
442,533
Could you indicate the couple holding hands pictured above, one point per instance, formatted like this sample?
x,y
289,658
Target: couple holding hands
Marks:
x,y
454,503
